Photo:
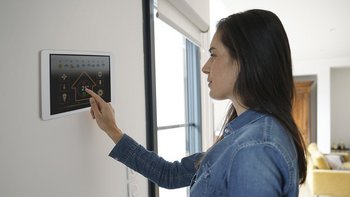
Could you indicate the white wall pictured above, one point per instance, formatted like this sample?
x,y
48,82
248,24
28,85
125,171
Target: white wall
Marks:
x,y
66,156
340,108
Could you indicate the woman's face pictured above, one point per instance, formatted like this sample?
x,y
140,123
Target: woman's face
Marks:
x,y
222,70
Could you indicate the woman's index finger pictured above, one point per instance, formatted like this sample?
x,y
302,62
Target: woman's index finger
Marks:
x,y
95,96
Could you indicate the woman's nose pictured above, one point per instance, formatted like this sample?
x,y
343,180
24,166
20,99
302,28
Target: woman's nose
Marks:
x,y
205,68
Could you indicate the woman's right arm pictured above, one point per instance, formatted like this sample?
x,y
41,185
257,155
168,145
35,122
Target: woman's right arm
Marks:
x,y
149,164
165,174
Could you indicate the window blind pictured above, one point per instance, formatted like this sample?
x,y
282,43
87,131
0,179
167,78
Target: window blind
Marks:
x,y
190,17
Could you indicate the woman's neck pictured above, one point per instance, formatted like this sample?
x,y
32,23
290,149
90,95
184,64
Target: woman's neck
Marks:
x,y
239,107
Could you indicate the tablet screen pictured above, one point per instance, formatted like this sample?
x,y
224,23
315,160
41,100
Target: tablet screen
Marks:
x,y
70,74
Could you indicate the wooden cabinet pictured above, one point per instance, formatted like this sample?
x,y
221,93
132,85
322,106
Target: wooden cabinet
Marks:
x,y
301,108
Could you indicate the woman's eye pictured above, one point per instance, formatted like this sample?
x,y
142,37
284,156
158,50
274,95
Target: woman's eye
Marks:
x,y
211,58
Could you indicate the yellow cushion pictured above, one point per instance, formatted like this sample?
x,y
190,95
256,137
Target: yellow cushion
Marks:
x,y
318,159
346,165
312,147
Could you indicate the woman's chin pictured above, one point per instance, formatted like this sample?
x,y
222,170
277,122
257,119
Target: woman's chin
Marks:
x,y
215,96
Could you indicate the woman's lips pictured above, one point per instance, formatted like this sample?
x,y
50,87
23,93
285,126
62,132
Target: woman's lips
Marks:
x,y
209,83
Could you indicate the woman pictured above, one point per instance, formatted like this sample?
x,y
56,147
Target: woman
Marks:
x,y
260,151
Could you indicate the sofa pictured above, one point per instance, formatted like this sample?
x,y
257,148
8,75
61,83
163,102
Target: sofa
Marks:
x,y
328,174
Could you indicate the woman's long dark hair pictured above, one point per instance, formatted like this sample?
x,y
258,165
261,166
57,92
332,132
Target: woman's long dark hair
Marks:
x,y
259,43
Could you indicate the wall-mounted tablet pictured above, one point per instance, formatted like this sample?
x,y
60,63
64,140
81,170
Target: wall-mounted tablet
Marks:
x,y
66,74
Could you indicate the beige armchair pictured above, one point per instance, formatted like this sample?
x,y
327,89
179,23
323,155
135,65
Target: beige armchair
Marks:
x,y
322,179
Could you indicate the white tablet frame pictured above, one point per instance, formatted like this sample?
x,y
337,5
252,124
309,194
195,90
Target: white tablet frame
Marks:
x,y
45,80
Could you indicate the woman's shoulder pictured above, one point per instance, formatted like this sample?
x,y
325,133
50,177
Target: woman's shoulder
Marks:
x,y
266,131
266,128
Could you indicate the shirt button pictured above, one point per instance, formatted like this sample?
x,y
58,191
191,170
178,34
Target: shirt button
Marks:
x,y
226,131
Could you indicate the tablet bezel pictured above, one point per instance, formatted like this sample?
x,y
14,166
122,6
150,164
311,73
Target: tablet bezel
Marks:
x,y
45,80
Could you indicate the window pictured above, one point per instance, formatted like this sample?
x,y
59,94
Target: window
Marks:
x,y
172,83
177,97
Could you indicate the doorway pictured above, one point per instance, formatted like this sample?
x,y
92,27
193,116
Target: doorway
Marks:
x,y
305,106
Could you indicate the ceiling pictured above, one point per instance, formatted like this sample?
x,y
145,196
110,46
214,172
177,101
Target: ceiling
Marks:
x,y
317,29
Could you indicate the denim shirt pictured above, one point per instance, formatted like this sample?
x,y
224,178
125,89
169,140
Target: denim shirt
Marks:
x,y
256,157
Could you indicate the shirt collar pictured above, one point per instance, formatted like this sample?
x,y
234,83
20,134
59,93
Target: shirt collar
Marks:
x,y
242,120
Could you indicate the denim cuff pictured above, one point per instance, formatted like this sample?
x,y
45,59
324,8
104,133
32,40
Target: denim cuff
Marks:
x,y
124,149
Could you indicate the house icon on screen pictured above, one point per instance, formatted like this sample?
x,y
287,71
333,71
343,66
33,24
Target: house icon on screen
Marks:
x,y
83,81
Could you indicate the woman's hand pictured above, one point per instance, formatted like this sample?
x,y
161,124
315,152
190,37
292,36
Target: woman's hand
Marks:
x,y
104,114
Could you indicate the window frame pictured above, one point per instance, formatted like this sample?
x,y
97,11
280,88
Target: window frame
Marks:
x,y
150,83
